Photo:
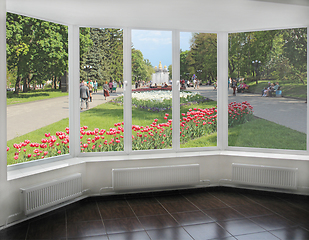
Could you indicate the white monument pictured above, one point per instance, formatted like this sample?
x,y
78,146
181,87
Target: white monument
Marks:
x,y
160,76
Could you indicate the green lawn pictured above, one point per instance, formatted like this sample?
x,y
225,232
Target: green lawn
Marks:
x,y
295,90
30,96
257,133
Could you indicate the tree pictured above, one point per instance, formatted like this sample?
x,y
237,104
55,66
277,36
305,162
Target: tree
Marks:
x,y
104,55
295,49
37,49
203,55
184,64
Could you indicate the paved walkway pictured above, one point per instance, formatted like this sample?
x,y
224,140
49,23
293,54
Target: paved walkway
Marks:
x,y
288,112
27,117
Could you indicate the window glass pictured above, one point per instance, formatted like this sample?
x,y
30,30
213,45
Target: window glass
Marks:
x,y
151,90
37,89
101,89
268,89
198,91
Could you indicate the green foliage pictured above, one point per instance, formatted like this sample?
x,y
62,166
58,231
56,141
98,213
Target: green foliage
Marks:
x,y
282,53
37,50
141,68
203,56
104,55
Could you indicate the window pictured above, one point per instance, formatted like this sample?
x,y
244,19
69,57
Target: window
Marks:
x,y
198,85
101,89
268,89
151,90
37,98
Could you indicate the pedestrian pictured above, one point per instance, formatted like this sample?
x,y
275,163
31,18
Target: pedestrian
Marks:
x,y
114,86
110,85
90,90
234,86
84,96
105,90
95,86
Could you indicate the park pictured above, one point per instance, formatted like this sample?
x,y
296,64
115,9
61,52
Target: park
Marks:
x,y
38,105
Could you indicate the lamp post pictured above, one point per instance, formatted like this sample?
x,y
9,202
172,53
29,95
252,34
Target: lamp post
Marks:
x,y
256,65
87,69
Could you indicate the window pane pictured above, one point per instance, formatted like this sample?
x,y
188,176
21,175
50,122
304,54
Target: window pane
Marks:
x,y
37,93
101,81
151,90
268,105
198,96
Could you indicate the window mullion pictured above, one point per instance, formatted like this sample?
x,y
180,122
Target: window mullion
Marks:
x,y
222,97
74,98
176,88
127,85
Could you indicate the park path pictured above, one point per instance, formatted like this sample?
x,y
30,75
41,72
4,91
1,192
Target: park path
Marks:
x,y
27,117
288,112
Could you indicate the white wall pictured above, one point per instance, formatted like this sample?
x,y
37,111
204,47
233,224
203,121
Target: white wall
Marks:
x,y
97,175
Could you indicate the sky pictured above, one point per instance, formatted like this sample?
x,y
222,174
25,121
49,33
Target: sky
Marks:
x,y
157,45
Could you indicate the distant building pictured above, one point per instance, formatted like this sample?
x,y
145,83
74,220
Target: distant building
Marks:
x,y
161,75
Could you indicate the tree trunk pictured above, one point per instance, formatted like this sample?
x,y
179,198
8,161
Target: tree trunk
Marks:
x,y
25,84
17,85
55,82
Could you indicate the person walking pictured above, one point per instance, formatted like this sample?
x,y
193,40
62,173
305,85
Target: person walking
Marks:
x,y
234,86
105,90
90,87
95,86
110,85
84,95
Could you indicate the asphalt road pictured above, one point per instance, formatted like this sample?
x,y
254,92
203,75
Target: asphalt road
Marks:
x,y
27,117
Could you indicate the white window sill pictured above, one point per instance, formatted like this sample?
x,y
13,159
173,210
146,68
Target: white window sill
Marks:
x,y
27,169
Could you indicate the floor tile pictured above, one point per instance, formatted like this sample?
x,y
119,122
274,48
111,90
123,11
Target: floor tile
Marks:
x,y
158,222
122,225
252,210
198,196
257,236
169,233
295,233
46,230
116,212
242,226
206,231
148,209
171,198
98,237
179,206
84,229
112,203
141,201
231,199
190,218
208,203
17,232
223,214
83,212
272,222
129,236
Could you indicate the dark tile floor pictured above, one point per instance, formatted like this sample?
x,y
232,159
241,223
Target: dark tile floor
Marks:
x,y
208,213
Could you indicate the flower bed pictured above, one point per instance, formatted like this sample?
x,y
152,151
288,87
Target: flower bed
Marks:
x,y
194,123
157,101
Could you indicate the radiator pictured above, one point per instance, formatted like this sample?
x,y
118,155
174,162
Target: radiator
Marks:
x,y
264,176
46,195
155,177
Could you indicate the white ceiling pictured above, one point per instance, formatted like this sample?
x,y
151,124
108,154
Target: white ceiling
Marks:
x,y
185,15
